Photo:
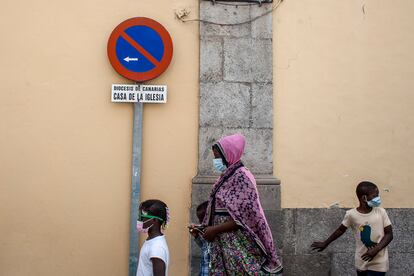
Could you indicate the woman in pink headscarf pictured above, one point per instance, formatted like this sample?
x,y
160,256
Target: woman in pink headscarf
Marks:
x,y
240,238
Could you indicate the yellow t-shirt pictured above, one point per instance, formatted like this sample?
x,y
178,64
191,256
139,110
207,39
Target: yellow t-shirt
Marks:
x,y
368,231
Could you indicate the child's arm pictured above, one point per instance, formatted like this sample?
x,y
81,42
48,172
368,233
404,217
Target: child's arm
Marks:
x,y
373,251
320,246
158,267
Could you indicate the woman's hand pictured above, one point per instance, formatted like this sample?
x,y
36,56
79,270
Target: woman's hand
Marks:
x,y
193,231
210,233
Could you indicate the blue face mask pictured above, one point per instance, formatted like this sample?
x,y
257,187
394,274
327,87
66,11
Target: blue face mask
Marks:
x,y
218,165
375,202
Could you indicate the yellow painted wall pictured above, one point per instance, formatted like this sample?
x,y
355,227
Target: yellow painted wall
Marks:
x,y
344,85
343,80
66,149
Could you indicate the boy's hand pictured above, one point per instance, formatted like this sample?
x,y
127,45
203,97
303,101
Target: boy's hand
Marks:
x,y
319,246
370,254
373,251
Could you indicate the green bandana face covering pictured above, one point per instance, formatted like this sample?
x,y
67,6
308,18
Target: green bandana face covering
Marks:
x,y
145,215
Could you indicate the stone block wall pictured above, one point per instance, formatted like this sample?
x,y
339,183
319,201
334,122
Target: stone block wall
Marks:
x,y
236,89
294,230
236,96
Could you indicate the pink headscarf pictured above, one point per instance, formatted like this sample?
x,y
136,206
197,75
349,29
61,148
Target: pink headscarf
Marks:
x,y
233,147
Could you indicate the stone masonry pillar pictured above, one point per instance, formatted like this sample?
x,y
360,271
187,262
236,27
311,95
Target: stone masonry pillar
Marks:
x,y
236,96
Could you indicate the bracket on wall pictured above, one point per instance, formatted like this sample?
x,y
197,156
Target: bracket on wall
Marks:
x,y
244,1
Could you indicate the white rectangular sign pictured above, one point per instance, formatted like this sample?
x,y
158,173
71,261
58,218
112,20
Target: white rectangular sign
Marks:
x,y
132,93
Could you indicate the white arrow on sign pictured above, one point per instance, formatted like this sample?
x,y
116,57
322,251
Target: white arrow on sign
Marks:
x,y
128,59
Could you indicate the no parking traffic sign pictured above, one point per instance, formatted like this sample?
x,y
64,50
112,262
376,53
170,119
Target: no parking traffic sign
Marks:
x,y
140,49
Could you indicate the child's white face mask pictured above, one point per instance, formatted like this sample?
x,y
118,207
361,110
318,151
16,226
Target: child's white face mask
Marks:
x,y
140,226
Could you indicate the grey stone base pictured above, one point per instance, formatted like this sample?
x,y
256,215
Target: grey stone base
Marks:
x,y
294,230
269,193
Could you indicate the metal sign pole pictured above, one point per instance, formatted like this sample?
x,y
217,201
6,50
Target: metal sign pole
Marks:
x,y
135,190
